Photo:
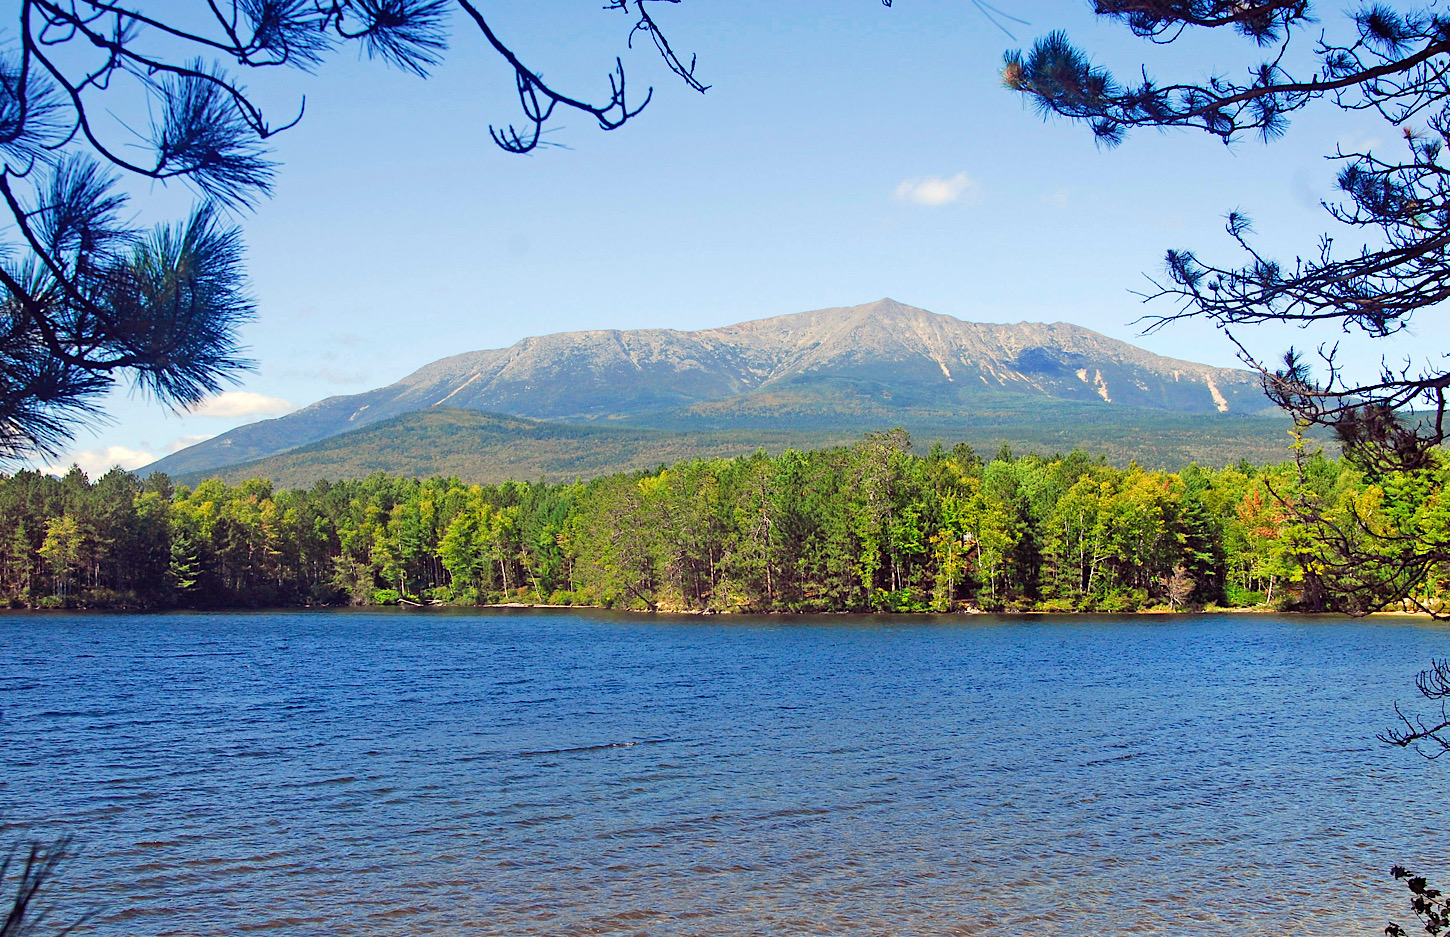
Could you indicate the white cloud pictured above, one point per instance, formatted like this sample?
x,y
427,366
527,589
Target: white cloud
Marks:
x,y
939,190
237,403
181,442
1356,142
1057,198
97,462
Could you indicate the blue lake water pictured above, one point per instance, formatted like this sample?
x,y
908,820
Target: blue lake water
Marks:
x,y
562,774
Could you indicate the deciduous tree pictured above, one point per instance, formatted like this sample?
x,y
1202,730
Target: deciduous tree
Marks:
x,y
1390,263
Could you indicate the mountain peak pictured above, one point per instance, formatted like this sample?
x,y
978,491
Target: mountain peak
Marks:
x,y
822,361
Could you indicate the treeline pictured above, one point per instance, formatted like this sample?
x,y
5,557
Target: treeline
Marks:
x,y
871,527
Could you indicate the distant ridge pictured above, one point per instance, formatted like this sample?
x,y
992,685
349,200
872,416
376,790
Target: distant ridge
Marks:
x,y
486,448
849,365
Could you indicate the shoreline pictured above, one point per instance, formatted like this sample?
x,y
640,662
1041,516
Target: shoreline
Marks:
x,y
711,613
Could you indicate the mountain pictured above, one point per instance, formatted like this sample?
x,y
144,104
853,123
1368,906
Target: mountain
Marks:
x,y
851,366
485,448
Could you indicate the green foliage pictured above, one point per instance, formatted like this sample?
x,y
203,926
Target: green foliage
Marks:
x,y
869,527
491,447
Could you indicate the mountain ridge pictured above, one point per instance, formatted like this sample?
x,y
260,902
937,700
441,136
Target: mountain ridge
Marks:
x,y
946,364
484,448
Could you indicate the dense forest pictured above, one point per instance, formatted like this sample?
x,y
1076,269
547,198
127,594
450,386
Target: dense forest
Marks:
x,y
870,527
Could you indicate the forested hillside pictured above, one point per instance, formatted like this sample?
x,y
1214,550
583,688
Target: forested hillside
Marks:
x,y
865,527
488,448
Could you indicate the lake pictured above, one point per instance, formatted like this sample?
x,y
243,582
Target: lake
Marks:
x,y
584,773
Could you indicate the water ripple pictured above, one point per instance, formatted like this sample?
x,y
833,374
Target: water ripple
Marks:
x,y
528,774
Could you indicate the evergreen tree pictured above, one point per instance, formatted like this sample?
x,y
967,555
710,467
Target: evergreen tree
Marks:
x,y
86,295
1394,197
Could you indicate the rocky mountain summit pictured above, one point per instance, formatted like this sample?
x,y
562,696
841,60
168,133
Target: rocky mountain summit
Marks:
x,y
896,355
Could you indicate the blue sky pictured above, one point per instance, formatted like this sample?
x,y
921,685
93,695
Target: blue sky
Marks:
x,y
844,152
